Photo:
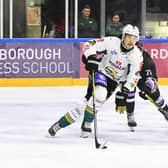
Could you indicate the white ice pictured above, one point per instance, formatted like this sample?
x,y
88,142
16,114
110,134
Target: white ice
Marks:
x,y
26,113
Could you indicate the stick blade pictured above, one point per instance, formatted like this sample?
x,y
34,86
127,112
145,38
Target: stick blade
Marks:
x,y
101,145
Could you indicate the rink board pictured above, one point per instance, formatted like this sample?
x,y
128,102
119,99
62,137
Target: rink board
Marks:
x,y
54,81
58,62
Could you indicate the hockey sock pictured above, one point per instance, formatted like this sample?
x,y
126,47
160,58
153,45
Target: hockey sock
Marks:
x,y
65,120
89,114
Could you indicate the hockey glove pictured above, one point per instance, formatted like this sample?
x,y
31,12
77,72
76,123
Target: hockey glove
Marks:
x,y
92,63
125,90
120,102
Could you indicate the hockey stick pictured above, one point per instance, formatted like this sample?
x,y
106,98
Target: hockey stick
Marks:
x,y
97,144
153,102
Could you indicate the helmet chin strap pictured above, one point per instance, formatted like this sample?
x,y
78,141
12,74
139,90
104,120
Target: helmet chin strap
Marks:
x,y
124,49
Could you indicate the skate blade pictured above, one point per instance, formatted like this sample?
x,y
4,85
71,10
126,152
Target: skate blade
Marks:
x,y
49,136
103,145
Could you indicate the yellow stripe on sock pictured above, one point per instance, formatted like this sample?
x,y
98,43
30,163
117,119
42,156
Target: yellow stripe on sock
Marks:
x,y
89,110
68,118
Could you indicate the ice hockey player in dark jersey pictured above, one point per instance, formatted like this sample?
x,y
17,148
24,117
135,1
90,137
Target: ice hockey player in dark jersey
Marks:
x,y
148,87
148,84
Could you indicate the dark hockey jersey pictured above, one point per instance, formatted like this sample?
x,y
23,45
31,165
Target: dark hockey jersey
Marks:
x,y
148,68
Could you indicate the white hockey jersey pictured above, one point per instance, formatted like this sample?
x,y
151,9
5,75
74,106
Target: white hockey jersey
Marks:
x,y
115,64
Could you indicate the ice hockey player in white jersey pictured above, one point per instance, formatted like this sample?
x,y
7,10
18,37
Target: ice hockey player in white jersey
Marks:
x,y
148,90
113,62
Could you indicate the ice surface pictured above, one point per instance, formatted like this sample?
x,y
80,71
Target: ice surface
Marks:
x,y
26,113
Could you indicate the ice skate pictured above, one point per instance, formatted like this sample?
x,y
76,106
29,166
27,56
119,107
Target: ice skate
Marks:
x,y
53,129
164,111
131,122
85,129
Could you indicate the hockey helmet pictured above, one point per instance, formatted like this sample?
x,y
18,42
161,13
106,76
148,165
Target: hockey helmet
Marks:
x,y
132,30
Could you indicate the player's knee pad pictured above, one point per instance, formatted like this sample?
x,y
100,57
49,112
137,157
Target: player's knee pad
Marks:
x,y
151,84
100,97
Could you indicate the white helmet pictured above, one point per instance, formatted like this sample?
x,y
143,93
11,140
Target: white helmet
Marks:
x,y
132,30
